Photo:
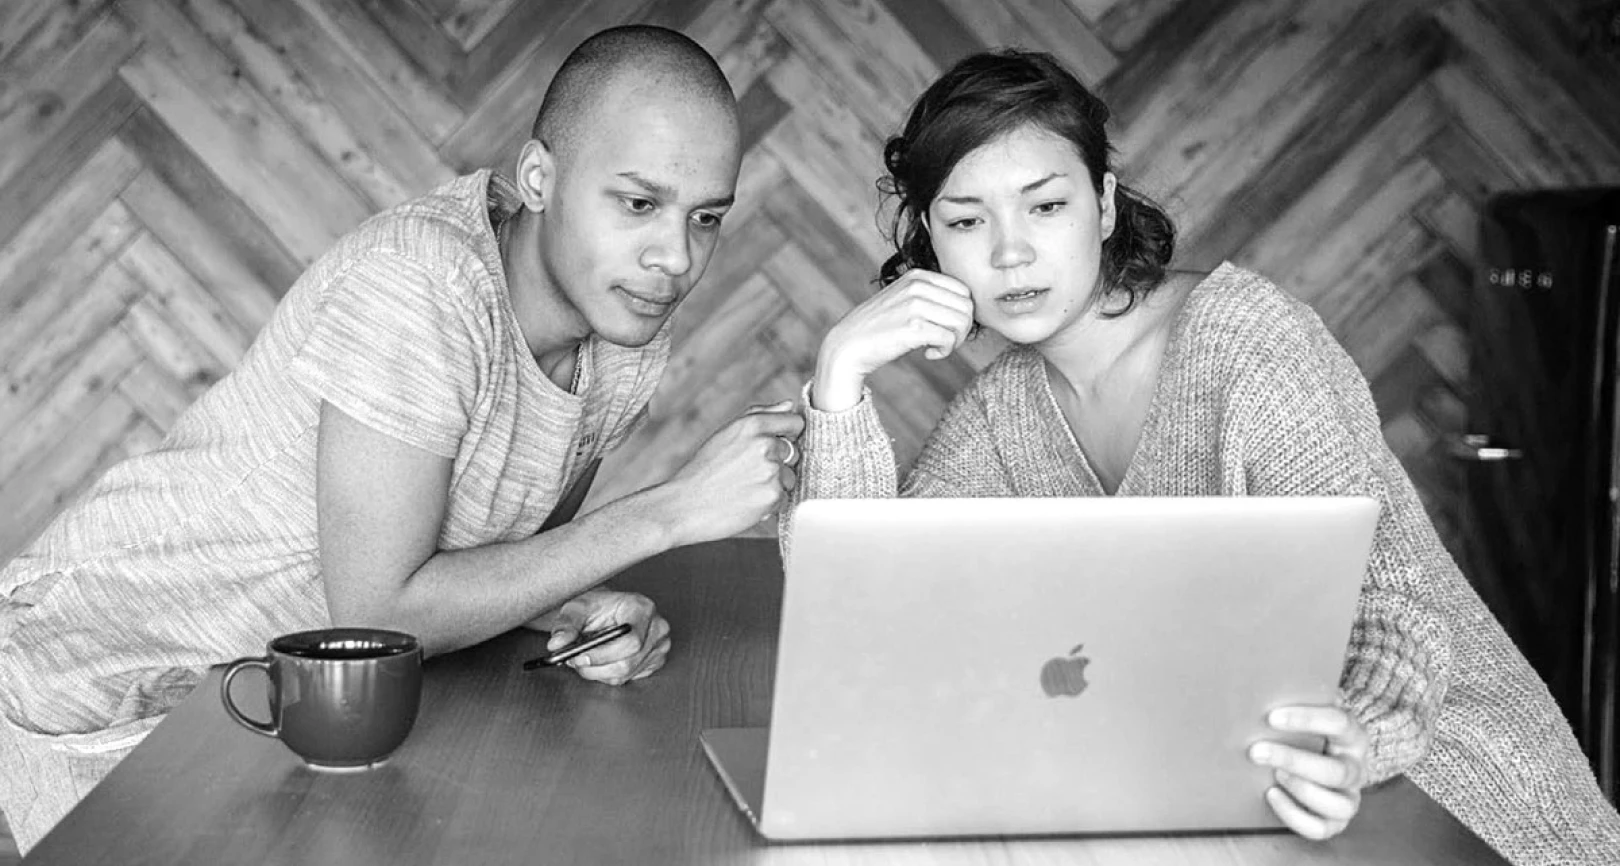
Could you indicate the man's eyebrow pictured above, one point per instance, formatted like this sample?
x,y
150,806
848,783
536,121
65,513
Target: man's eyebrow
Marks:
x,y
667,193
1026,188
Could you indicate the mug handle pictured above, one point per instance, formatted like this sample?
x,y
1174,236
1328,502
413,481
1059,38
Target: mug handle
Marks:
x,y
236,667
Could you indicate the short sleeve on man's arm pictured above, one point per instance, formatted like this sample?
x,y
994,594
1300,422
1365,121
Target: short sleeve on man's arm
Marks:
x,y
391,346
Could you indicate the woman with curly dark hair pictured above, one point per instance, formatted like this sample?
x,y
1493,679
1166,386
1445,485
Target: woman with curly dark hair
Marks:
x,y
1127,378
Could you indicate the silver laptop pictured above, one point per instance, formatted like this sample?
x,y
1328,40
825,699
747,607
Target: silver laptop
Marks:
x,y
969,667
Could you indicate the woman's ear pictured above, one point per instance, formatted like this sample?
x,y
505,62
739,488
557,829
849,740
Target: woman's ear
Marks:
x,y
1105,201
536,176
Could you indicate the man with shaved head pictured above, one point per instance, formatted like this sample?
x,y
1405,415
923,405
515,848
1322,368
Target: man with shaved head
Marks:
x,y
407,439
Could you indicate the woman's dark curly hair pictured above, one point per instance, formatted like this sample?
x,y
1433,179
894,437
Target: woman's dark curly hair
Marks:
x,y
984,97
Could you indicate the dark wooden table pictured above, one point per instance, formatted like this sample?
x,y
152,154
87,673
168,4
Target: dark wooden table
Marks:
x,y
513,767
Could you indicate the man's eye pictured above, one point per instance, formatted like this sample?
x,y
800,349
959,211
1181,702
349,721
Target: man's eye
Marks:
x,y
707,220
637,205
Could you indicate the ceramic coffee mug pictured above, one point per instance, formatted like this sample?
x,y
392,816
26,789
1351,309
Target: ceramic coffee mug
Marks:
x,y
340,698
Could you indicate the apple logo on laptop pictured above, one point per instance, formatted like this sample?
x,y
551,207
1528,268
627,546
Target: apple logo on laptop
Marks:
x,y
1065,676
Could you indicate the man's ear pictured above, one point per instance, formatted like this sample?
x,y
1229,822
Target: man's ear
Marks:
x,y
536,176
1105,201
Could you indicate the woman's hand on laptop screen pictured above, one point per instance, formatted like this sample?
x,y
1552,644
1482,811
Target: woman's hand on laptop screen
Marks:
x,y
1317,793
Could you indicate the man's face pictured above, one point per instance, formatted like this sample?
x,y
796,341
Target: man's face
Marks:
x,y
635,209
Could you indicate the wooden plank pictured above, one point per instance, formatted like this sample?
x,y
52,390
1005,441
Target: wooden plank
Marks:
x,y
415,33
204,251
1450,281
33,35
937,30
86,130
523,28
238,134
33,251
1401,385
35,495
1067,36
759,111
1467,167
199,190
1376,333
744,251
1381,264
1445,346
994,25
185,302
1521,151
64,279
44,360
171,349
497,128
1376,88
1559,37
1574,139
826,148
32,117
1125,25
1328,200
791,340
469,21
739,37
315,120
87,383
367,47
1309,265
704,349
850,261
1146,73
159,397
862,53
1235,81
1455,220
288,59
1254,124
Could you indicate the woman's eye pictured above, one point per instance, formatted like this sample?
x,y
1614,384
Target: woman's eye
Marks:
x,y
963,224
1049,207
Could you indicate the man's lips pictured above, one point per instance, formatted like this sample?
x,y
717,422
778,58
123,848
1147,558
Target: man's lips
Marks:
x,y
649,298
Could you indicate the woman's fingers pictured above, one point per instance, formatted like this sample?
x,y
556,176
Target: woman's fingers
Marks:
x,y
1332,804
1300,819
1332,771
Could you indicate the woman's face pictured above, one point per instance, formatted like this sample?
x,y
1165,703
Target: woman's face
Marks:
x,y
1017,220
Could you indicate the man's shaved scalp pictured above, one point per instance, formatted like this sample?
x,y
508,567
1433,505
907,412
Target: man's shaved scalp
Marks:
x,y
647,56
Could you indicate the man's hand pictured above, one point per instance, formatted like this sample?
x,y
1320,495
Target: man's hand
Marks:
x,y
1316,793
740,476
619,661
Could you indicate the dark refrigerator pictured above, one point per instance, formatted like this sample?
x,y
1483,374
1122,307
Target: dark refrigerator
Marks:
x,y
1543,464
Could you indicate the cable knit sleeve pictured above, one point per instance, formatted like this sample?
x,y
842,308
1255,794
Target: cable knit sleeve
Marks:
x,y
848,455
1306,426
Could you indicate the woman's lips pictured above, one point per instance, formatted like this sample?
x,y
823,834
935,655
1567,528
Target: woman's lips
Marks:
x,y
1018,301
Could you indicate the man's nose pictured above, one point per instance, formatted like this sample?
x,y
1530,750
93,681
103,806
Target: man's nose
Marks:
x,y
669,251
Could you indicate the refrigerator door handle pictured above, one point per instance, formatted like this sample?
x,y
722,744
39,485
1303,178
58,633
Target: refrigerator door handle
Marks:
x,y
1479,448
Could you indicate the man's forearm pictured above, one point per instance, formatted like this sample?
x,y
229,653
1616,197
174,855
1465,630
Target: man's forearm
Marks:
x,y
462,597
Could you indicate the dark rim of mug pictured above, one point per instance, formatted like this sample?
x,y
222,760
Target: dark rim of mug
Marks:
x,y
380,643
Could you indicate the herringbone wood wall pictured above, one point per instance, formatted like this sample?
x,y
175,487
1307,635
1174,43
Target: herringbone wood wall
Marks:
x,y
168,167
